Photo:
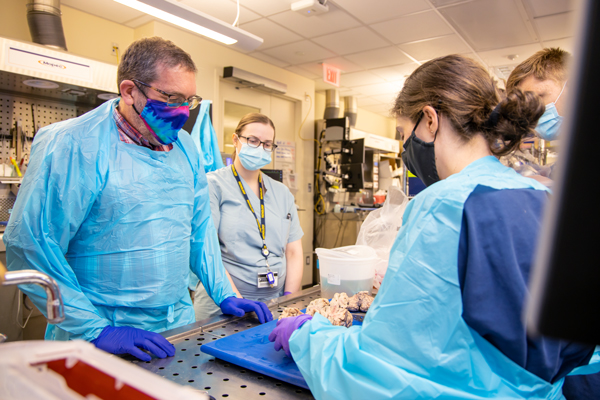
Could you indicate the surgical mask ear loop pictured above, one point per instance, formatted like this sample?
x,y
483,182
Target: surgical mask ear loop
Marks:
x,y
561,92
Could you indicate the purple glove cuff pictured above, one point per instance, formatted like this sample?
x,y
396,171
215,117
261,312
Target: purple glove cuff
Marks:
x,y
284,330
286,293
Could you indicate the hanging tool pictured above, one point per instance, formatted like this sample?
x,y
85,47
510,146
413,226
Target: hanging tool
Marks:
x,y
14,163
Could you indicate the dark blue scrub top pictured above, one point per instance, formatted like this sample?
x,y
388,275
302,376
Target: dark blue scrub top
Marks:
x,y
497,244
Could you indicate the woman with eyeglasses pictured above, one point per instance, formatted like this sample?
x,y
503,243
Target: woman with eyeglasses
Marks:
x,y
263,255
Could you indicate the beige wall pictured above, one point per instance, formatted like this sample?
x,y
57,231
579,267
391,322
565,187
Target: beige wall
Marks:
x,y
92,37
366,121
13,20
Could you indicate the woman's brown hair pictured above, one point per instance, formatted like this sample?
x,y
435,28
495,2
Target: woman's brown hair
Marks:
x,y
252,118
461,90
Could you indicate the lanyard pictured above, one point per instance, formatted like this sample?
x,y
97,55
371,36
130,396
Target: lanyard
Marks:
x,y
261,224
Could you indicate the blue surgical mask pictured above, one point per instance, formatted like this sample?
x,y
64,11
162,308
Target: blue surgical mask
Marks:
x,y
253,158
549,123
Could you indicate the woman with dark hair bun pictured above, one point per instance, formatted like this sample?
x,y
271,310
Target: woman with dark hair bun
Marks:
x,y
446,322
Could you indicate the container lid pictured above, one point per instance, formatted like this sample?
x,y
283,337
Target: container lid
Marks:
x,y
355,252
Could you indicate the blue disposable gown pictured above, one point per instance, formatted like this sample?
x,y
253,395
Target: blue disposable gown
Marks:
x,y
414,343
204,137
117,225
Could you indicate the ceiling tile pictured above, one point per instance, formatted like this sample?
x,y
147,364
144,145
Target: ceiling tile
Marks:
x,y
109,10
381,10
384,109
339,62
267,7
299,52
344,91
542,8
498,24
333,21
567,44
224,10
272,34
359,78
380,88
415,27
501,56
387,98
379,58
351,41
269,59
432,48
556,26
302,72
320,85
395,73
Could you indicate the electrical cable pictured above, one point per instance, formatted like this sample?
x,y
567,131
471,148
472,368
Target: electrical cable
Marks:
x,y
238,14
19,311
303,121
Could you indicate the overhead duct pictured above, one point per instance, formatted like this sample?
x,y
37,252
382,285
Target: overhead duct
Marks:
x,y
45,23
332,103
351,109
253,81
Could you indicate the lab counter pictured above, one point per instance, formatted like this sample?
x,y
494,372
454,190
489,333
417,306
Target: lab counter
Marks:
x,y
218,378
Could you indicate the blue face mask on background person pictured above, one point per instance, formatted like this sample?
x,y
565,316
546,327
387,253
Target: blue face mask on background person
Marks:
x,y
253,158
549,123
163,122
419,157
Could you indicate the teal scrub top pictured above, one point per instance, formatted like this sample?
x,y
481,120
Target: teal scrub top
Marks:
x,y
238,233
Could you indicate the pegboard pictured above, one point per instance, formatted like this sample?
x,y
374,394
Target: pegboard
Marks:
x,y
33,115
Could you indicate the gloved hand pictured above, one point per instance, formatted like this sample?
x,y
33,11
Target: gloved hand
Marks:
x,y
286,293
284,329
239,307
125,339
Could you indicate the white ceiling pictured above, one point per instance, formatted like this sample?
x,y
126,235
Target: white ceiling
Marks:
x,y
378,43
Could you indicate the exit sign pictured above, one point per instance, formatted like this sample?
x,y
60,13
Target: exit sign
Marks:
x,y
331,75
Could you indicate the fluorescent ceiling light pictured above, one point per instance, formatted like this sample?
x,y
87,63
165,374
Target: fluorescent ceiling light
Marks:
x,y
193,20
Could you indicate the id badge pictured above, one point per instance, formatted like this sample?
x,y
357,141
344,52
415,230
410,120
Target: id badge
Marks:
x,y
263,279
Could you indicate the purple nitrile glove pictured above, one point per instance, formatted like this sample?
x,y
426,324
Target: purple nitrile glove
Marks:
x,y
286,293
126,340
239,307
284,329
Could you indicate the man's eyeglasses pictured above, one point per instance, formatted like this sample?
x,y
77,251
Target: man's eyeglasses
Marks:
x,y
253,141
173,100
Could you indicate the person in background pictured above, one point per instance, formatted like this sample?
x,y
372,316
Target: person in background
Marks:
x,y
545,74
238,193
446,322
114,206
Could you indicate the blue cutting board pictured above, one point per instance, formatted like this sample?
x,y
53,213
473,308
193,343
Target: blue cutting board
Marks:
x,y
251,349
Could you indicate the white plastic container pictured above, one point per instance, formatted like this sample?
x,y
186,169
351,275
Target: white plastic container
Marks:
x,y
348,269
28,370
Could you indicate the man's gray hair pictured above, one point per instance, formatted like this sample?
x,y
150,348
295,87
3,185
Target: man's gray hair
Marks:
x,y
143,57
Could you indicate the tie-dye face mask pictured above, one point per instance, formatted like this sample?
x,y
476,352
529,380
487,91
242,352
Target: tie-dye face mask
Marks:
x,y
164,122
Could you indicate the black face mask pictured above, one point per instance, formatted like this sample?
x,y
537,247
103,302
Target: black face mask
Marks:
x,y
419,157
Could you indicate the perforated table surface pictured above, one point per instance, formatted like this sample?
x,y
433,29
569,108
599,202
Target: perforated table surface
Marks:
x,y
218,378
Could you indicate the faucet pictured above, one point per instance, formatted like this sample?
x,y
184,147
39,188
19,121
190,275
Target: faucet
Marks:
x,y
54,304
